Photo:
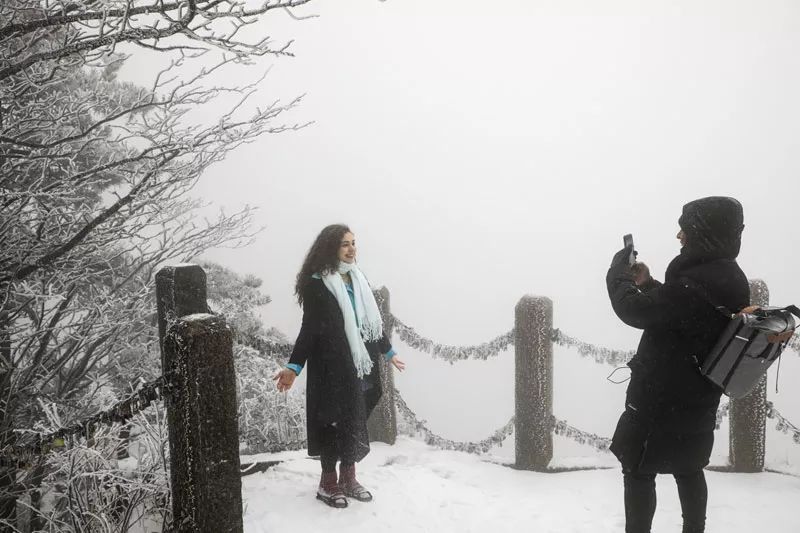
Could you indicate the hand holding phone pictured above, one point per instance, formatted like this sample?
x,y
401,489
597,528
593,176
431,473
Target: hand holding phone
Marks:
x,y
627,241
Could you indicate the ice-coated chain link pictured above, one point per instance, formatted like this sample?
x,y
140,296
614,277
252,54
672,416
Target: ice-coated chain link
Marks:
x,y
782,424
293,445
562,428
268,347
23,456
449,353
598,353
500,344
431,438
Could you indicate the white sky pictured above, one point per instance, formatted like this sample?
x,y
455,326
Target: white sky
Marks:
x,y
486,150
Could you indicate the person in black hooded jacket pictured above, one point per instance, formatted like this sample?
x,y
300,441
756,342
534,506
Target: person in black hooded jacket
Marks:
x,y
670,408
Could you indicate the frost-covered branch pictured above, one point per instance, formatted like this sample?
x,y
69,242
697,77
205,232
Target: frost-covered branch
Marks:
x,y
98,27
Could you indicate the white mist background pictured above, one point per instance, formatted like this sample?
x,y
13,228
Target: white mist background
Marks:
x,y
484,151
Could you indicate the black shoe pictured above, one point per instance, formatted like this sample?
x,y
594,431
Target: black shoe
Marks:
x,y
335,498
357,492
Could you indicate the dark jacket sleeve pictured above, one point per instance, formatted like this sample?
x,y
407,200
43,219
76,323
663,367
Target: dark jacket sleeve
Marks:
x,y
380,347
649,285
310,328
384,346
654,305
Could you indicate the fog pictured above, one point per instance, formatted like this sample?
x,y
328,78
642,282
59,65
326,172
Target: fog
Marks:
x,y
483,151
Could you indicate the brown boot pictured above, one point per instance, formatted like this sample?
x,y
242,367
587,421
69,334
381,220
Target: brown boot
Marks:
x,y
329,492
350,486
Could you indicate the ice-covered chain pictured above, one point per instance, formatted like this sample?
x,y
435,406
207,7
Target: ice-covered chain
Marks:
x,y
500,344
431,438
271,348
562,428
25,455
782,424
598,353
451,353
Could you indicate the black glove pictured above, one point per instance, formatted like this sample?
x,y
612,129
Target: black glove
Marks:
x,y
622,259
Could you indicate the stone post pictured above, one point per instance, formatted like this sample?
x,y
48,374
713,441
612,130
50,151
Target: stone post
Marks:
x,y
382,424
748,415
533,346
197,357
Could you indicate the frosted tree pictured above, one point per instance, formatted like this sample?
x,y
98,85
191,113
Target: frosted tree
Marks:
x,y
268,420
94,176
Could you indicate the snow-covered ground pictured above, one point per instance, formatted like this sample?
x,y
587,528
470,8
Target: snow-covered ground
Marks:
x,y
419,488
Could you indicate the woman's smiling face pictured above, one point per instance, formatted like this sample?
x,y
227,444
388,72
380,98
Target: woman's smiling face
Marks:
x,y
347,248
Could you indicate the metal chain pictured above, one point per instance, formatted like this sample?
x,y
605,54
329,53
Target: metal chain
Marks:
x,y
23,456
271,348
500,344
431,438
562,428
292,445
782,424
599,354
452,353
559,427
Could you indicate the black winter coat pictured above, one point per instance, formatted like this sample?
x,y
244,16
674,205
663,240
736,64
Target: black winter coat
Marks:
x,y
334,393
670,408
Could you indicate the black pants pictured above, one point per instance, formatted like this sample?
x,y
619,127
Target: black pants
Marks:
x,y
640,501
330,454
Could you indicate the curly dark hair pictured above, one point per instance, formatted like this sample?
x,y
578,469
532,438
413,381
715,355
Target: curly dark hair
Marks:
x,y
322,258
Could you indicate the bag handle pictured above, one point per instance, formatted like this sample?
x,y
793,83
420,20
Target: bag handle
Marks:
x,y
793,309
781,338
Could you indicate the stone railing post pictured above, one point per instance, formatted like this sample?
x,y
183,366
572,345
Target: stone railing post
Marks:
x,y
533,346
197,355
382,424
748,415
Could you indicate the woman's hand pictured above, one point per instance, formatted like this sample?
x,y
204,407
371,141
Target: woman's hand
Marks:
x,y
398,364
285,379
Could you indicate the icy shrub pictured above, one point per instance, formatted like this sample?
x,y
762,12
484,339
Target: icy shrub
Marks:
x,y
86,486
269,420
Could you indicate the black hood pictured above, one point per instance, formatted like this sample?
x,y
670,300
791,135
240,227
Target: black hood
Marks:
x,y
713,228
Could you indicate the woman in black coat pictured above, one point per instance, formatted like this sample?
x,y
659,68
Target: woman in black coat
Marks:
x,y
670,408
340,340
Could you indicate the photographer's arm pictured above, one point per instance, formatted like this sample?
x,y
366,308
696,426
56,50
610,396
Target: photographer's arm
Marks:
x,y
646,305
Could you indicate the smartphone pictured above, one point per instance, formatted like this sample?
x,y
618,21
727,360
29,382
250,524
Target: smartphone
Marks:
x,y
627,240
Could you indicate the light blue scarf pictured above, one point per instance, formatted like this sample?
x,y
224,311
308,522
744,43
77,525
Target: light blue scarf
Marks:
x,y
361,324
